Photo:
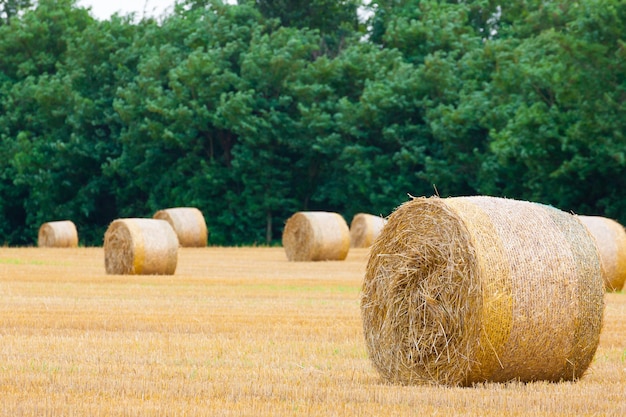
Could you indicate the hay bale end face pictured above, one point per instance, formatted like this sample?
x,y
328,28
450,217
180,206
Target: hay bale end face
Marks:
x,y
610,238
364,229
59,234
472,289
316,236
188,223
140,247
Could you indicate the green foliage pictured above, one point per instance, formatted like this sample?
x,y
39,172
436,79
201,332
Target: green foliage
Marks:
x,y
336,20
251,112
11,8
34,44
558,136
328,16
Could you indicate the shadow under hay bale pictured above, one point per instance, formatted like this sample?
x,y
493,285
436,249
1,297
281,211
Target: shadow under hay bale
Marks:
x,y
610,238
316,236
364,229
188,223
140,247
472,289
59,234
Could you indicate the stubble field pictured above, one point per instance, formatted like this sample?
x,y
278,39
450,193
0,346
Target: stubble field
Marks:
x,y
235,332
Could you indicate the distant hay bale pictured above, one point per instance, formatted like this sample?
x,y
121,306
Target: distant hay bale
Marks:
x,y
140,247
472,289
59,234
316,236
610,238
364,229
188,223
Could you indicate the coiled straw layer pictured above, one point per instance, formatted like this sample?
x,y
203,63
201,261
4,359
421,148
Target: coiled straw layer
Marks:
x,y
472,289
610,238
140,247
364,229
59,234
316,236
188,223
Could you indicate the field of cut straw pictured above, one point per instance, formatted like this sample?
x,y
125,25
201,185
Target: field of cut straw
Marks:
x,y
235,332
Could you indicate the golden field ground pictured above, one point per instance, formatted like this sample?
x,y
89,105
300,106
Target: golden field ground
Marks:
x,y
235,332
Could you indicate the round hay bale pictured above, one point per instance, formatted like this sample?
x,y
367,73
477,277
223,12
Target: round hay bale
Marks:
x,y
472,289
140,247
364,229
188,223
59,234
316,236
610,238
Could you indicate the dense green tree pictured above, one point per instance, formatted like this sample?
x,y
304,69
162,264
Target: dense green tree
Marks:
x,y
442,132
11,8
35,104
35,43
253,111
418,27
179,110
336,20
235,146
384,138
270,133
328,16
558,103
98,63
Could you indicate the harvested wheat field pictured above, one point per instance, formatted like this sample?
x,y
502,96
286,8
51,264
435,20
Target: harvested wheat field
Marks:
x,y
235,332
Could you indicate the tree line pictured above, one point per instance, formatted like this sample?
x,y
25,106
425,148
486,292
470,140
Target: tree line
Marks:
x,y
256,110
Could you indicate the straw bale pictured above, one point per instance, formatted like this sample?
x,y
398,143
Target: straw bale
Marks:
x,y
140,247
364,229
316,236
59,234
465,290
610,238
188,223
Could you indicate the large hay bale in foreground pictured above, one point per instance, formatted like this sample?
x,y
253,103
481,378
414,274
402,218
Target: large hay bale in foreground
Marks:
x,y
140,247
610,238
364,229
59,234
472,289
316,236
188,223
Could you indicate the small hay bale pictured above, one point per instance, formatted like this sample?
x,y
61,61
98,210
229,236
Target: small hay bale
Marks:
x,y
364,229
610,238
188,223
473,289
316,236
140,247
59,234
